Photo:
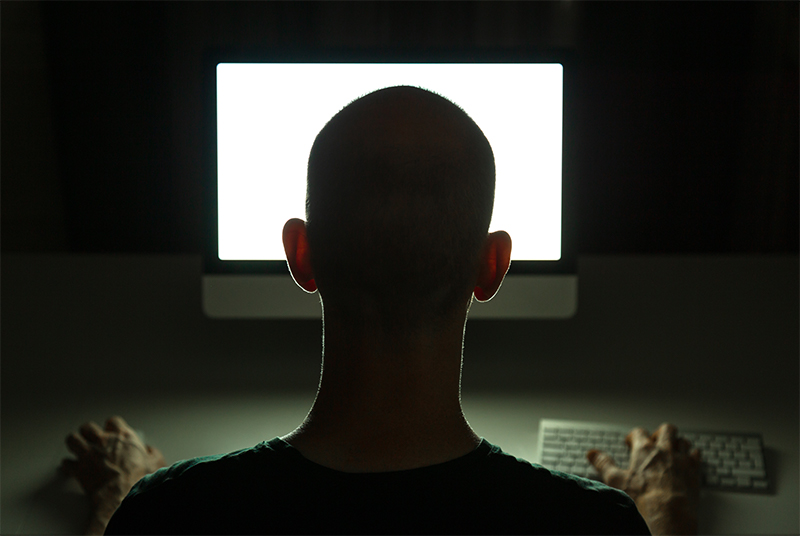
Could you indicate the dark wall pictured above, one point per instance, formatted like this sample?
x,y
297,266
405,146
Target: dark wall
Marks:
x,y
687,113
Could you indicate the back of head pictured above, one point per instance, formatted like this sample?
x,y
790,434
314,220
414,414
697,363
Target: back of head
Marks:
x,y
400,196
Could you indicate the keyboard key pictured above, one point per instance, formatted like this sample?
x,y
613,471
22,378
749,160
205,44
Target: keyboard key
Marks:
x,y
579,470
552,453
738,471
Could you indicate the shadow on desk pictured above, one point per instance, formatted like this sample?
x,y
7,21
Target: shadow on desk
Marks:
x,y
56,506
772,462
715,506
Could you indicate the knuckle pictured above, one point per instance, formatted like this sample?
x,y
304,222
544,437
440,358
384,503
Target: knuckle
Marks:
x,y
638,434
668,428
603,460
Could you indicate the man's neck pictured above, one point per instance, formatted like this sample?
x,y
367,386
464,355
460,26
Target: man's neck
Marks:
x,y
384,405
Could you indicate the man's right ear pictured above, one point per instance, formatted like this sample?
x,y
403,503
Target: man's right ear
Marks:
x,y
298,254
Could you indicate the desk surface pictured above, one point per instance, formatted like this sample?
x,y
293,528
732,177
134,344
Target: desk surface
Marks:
x,y
57,337
36,500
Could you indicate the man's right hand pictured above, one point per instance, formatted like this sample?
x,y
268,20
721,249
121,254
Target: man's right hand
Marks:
x,y
663,478
109,462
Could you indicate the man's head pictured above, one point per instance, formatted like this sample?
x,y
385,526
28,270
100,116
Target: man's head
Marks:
x,y
399,200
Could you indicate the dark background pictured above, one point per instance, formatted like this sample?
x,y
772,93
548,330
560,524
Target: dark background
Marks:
x,y
687,137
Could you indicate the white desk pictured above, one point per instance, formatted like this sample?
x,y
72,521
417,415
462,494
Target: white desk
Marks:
x,y
64,319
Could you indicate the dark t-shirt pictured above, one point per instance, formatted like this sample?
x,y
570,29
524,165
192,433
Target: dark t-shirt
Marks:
x,y
272,488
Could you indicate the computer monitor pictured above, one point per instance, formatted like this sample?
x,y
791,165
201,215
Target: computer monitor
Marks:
x,y
265,110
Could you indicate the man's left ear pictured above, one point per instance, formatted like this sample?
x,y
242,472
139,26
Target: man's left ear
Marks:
x,y
298,254
495,260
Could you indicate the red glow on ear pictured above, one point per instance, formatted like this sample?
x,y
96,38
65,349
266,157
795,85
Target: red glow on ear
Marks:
x,y
479,293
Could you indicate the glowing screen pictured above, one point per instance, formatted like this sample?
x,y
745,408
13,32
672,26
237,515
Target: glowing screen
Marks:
x,y
268,115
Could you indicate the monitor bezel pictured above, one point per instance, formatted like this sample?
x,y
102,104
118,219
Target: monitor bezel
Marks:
x,y
212,264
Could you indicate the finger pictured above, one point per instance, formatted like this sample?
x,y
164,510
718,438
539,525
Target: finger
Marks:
x,y
696,456
92,433
77,444
606,468
637,438
116,424
665,436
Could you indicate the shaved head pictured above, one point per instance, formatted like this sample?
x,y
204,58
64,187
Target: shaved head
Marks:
x,y
399,200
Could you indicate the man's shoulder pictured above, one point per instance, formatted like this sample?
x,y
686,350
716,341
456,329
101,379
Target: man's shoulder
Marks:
x,y
189,488
535,477
207,468
571,503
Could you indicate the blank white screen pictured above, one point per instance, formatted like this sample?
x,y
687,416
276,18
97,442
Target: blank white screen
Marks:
x,y
268,115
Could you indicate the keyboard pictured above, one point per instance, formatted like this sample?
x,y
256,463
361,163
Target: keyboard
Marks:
x,y
730,461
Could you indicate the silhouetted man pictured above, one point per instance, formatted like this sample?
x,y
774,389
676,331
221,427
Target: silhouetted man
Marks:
x,y
399,200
